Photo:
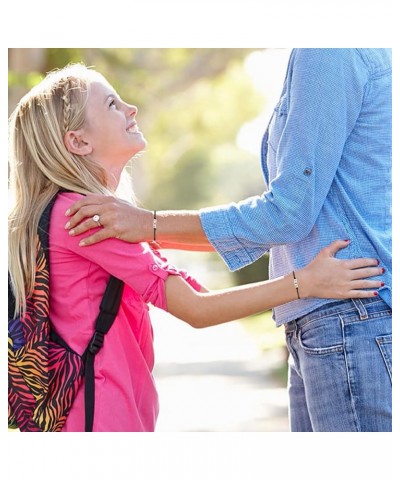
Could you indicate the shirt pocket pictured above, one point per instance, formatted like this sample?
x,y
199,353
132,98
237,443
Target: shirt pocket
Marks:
x,y
278,122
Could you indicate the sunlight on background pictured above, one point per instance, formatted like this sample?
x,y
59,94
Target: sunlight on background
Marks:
x,y
267,70
219,379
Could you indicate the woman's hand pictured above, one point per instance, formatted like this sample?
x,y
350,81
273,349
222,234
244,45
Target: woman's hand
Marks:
x,y
119,219
329,277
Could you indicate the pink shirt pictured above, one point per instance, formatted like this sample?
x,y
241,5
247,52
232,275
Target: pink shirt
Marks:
x,y
126,396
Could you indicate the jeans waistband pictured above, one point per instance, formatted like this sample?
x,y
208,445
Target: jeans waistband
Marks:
x,y
362,307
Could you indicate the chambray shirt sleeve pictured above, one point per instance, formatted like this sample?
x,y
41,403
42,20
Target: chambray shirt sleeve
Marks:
x,y
321,105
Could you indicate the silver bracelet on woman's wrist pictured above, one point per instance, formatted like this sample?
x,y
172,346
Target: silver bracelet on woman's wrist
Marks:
x,y
154,226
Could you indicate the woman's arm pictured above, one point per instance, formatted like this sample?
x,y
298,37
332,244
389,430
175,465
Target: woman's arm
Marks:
x,y
179,229
325,277
206,247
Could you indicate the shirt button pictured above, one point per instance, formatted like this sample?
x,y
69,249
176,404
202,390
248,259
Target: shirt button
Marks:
x,y
154,268
307,172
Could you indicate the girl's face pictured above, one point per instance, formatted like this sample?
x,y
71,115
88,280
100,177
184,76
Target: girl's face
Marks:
x,y
110,128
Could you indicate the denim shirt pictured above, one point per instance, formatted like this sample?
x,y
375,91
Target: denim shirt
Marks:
x,y
326,159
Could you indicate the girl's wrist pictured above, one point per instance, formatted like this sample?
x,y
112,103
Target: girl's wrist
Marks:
x,y
302,283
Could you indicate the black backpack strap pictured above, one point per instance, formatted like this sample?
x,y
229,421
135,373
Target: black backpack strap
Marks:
x,y
44,226
108,310
11,298
43,232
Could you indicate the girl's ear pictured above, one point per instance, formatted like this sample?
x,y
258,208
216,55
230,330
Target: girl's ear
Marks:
x,y
74,143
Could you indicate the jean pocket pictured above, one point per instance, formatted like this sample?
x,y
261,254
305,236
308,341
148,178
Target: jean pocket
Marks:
x,y
321,338
385,346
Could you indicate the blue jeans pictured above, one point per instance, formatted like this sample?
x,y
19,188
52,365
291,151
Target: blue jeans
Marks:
x,y
340,368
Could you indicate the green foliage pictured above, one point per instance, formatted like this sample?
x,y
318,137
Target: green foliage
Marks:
x,y
192,103
194,127
59,57
255,272
26,81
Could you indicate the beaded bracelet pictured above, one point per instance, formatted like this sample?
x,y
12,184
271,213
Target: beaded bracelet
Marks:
x,y
154,225
296,285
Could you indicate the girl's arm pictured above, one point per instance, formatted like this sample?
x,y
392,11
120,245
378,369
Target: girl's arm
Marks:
x,y
325,277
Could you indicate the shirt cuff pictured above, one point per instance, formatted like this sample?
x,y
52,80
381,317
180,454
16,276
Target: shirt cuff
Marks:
x,y
216,226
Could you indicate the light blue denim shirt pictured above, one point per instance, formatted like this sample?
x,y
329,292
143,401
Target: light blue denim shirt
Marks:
x,y
326,159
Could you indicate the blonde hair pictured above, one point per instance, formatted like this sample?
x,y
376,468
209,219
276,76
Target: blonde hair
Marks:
x,y
40,164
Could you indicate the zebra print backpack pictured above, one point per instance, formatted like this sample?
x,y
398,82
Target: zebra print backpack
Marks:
x,y
44,374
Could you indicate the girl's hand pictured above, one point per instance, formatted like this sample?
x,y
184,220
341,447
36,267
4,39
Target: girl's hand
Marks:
x,y
329,277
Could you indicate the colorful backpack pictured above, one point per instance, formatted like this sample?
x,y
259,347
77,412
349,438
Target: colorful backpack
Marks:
x,y
44,373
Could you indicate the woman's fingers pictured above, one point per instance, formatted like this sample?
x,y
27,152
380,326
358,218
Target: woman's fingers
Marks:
x,y
84,226
114,216
84,212
85,208
88,200
99,236
83,219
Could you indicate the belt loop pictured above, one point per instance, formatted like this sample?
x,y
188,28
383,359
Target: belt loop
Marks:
x,y
362,311
291,327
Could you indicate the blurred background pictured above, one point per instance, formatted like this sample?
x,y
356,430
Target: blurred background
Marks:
x,y
203,113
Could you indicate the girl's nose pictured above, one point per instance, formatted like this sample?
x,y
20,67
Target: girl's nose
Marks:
x,y
132,110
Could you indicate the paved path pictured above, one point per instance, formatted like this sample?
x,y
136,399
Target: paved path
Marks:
x,y
215,380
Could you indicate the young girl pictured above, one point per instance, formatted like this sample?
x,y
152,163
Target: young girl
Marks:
x,y
73,132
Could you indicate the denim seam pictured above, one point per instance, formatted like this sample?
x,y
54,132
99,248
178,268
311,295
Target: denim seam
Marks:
x,y
381,341
352,400
353,250
350,319
371,315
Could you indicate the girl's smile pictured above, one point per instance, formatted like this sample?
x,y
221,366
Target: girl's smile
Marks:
x,y
108,121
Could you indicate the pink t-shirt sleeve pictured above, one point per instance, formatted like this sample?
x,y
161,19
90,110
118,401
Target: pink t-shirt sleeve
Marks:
x,y
179,271
136,264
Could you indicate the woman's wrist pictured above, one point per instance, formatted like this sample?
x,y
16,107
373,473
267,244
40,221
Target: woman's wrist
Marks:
x,y
143,225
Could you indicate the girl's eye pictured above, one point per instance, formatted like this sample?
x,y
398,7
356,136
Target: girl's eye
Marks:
x,y
112,103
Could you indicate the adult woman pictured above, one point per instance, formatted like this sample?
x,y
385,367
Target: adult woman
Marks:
x,y
73,132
